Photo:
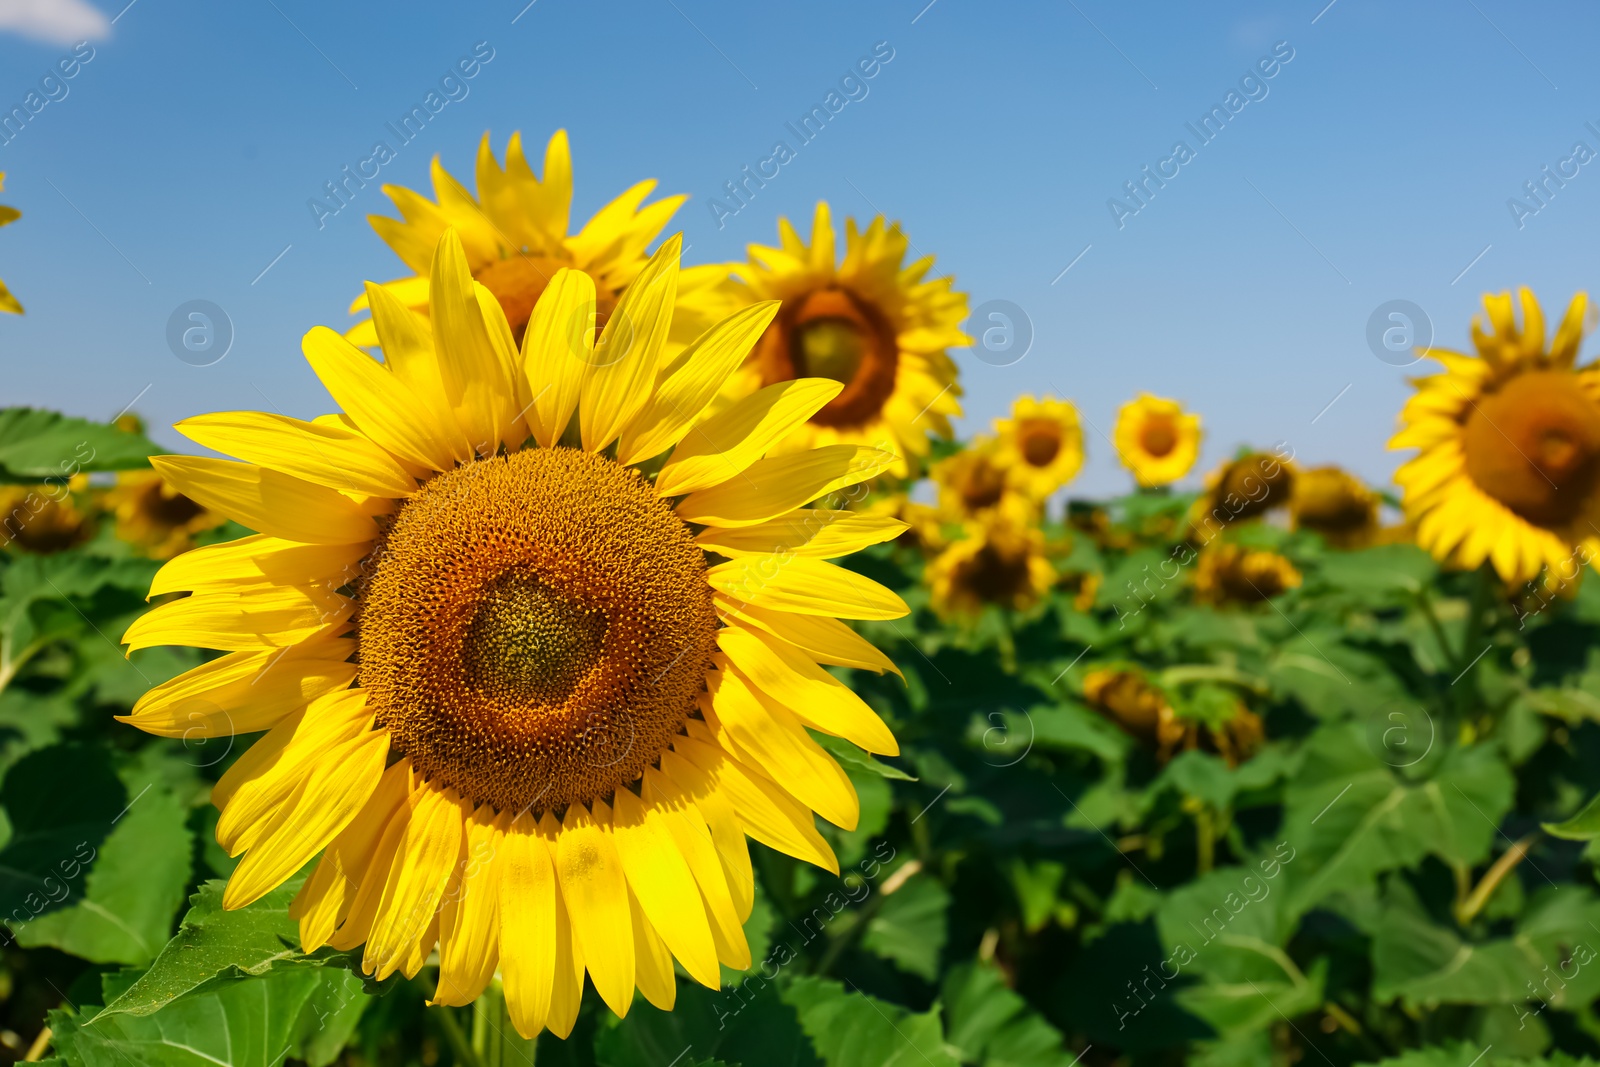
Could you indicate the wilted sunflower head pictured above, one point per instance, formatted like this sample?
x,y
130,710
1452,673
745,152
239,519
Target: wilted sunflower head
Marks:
x,y
1156,439
1040,445
997,563
46,518
1236,574
532,657
515,235
8,215
1334,503
154,517
1509,464
1128,698
870,321
1242,488
973,486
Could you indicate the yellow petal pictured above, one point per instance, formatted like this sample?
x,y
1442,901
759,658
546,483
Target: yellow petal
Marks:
x,y
557,352
652,965
723,446
379,402
566,995
628,353
234,566
276,616
324,901
772,487
666,889
318,811
727,831
243,692
407,340
774,737
696,378
423,859
362,906
692,840
528,928
324,455
816,533
469,921
596,894
804,586
785,674
476,384
824,639
268,501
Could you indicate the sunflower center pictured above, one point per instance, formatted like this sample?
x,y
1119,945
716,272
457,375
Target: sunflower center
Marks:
x,y
1159,435
1041,442
519,281
996,576
168,508
832,333
1534,445
534,628
983,486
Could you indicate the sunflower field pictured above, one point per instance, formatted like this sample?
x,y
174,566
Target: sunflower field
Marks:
x,y
635,669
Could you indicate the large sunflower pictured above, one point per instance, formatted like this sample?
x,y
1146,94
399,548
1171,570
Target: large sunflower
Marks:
x,y
1040,445
515,235
1156,439
8,215
1509,440
871,322
509,694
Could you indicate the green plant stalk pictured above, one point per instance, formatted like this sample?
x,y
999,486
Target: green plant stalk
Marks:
x,y
495,1040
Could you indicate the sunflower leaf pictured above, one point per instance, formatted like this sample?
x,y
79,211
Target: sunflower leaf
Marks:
x,y
850,1029
35,445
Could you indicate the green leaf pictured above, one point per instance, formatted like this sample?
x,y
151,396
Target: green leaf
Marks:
x,y
36,444
909,928
750,1025
850,1029
987,1023
1381,572
56,832
849,756
1584,826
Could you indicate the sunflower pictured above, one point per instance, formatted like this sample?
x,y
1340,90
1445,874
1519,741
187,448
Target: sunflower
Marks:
x,y
1156,439
1125,696
871,322
156,518
1235,574
45,519
1040,445
1242,488
525,698
1508,468
974,487
8,215
515,235
996,563
1334,503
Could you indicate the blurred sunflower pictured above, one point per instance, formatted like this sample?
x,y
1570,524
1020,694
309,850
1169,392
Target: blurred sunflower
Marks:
x,y
1236,574
1041,445
871,322
1508,468
924,524
1242,488
996,563
1334,503
1156,439
515,235
8,215
47,518
973,486
156,518
507,695
1125,696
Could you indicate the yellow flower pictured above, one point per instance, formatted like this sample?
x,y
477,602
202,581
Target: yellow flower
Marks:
x,y
996,563
510,695
973,486
515,235
156,518
1508,468
1125,697
1234,574
45,519
1156,439
1241,489
1334,503
924,525
871,322
8,215
1040,445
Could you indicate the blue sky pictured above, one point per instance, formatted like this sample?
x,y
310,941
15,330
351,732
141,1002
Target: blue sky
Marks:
x,y
1375,165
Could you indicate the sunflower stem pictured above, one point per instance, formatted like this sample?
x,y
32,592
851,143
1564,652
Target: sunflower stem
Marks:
x,y
456,1037
495,1041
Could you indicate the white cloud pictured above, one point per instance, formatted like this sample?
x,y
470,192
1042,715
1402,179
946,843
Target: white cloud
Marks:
x,y
55,21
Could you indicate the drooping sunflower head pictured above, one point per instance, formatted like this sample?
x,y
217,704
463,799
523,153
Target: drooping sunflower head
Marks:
x,y
8,215
1156,439
1236,574
532,657
998,563
1040,445
154,517
973,486
1242,488
1125,696
870,321
1334,503
46,518
515,234
1508,468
